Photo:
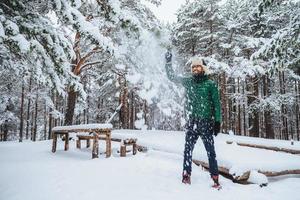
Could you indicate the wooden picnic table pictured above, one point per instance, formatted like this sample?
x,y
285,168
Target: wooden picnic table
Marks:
x,y
96,129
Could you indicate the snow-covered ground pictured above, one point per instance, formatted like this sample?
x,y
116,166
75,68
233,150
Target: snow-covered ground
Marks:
x,y
236,158
31,171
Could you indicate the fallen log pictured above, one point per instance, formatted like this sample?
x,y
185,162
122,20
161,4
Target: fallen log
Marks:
x,y
291,151
243,179
225,172
285,172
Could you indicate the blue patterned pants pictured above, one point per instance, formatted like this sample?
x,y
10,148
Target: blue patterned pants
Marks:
x,y
204,129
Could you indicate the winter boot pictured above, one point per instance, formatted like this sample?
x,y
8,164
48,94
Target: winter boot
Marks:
x,y
216,182
186,178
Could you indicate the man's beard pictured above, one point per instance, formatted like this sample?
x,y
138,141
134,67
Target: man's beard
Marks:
x,y
198,77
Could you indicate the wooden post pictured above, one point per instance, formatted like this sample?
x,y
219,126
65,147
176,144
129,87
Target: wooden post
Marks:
x,y
78,144
54,143
134,148
108,144
66,141
123,151
95,147
88,143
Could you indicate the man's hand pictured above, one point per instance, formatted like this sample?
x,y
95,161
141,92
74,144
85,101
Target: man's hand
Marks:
x,y
217,128
168,57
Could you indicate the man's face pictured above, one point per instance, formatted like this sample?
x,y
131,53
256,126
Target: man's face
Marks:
x,y
197,69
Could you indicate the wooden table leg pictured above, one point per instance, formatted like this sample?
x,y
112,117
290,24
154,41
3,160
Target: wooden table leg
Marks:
x,y
95,151
108,145
123,151
134,148
54,143
88,143
78,144
66,141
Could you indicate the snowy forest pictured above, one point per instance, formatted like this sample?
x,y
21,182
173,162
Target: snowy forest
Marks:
x,y
65,62
149,99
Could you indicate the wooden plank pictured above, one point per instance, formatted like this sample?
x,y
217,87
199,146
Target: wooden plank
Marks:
x,y
99,131
291,151
112,139
85,137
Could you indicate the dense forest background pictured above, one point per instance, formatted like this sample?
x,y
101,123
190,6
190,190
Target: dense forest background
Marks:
x,y
68,62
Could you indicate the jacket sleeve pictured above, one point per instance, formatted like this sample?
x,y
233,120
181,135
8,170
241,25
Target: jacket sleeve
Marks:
x,y
172,76
216,102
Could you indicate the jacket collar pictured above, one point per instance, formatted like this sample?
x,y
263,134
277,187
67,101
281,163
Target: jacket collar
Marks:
x,y
200,79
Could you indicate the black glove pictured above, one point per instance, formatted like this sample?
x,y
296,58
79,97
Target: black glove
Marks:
x,y
168,57
217,128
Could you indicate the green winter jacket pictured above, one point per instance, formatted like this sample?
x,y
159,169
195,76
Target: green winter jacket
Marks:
x,y
202,98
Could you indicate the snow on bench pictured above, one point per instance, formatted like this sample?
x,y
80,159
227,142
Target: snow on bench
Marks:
x,y
83,127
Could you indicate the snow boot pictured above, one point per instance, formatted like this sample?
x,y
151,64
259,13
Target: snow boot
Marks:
x,y
186,178
216,184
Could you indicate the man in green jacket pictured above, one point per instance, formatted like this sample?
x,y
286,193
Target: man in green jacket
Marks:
x,y
204,114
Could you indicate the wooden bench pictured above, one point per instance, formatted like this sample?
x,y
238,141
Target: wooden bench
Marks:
x,y
98,130
128,142
124,144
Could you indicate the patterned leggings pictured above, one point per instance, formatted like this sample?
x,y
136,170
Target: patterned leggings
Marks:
x,y
202,128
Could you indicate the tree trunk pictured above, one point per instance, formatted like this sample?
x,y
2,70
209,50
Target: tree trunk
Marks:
x,y
267,114
124,112
32,124
35,116
45,122
146,113
22,113
254,119
297,110
72,97
50,118
224,103
211,31
28,110
239,129
284,130
244,111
